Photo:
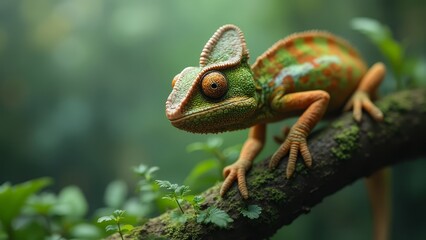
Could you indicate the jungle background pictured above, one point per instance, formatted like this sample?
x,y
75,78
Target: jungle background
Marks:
x,y
83,86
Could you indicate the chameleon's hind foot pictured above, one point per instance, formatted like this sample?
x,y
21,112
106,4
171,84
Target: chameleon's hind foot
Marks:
x,y
359,101
367,87
295,142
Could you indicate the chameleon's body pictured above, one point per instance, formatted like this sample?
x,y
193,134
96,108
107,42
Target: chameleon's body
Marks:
x,y
306,74
310,61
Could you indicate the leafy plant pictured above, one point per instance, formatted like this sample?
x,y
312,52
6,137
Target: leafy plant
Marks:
x,y
13,199
195,202
407,70
216,216
175,193
147,187
252,211
115,223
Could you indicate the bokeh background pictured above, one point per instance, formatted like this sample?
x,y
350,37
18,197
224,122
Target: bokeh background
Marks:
x,y
83,86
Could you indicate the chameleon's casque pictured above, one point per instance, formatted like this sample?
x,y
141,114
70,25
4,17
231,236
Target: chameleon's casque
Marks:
x,y
218,95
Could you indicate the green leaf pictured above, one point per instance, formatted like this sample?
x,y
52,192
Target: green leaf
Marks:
x,y
218,217
126,228
143,170
182,190
197,146
105,219
71,203
119,212
85,231
215,142
13,198
232,153
140,170
202,216
164,184
115,194
198,199
381,36
150,171
179,217
168,197
41,204
111,228
201,169
252,211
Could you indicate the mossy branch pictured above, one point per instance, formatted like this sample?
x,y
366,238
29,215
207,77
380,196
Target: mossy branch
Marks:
x,y
343,152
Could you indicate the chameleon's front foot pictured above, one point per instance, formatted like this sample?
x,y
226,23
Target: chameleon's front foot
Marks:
x,y
236,171
295,142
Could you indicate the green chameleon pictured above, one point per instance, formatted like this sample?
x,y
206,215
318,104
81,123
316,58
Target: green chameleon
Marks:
x,y
307,74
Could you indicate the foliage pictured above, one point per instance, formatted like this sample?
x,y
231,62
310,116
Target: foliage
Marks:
x,y
13,199
46,215
252,211
25,213
115,223
214,215
408,71
147,188
209,171
175,192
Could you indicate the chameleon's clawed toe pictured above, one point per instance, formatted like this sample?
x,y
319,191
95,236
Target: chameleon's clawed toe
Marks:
x,y
359,101
236,171
294,144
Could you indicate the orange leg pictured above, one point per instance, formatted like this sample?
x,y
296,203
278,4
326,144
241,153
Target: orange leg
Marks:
x,y
379,191
367,88
315,104
237,171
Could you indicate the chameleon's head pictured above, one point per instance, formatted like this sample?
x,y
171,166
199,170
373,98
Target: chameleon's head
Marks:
x,y
220,95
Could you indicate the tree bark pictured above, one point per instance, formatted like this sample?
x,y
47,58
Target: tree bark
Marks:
x,y
343,152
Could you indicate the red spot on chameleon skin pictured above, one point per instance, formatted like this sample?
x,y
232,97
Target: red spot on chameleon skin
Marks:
x,y
271,58
310,41
327,72
304,79
334,83
288,84
335,67
293,50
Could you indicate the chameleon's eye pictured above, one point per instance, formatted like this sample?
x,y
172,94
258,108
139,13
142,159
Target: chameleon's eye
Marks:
x,y
214,85
174,80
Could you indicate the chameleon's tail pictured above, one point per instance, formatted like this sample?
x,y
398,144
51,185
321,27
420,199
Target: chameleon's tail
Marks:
x,y
379,191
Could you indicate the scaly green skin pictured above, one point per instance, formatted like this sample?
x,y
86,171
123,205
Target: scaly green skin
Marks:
x,y
307,74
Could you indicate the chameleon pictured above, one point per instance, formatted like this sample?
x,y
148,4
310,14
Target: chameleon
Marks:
x,y
309,74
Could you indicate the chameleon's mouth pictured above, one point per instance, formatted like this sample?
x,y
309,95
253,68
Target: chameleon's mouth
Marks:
x,y
225,105
224,117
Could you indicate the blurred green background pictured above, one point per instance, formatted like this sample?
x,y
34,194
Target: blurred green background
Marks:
x,y
83,86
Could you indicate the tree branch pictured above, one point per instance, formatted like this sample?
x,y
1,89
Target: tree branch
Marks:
x,y
343,152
